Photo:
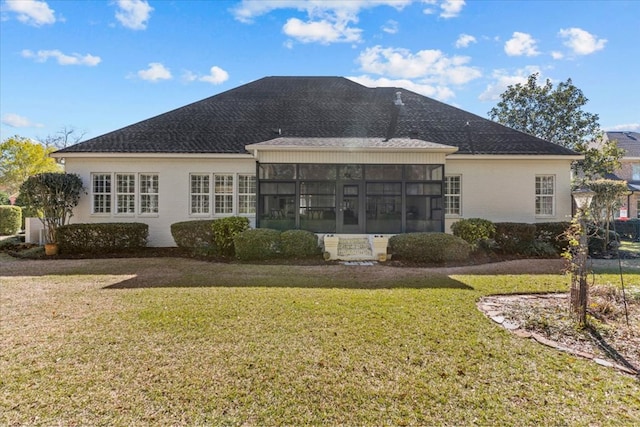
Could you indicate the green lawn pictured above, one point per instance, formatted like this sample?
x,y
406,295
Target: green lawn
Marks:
x,y
183,342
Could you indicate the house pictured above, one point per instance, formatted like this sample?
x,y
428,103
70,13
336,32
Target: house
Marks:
x,y
629,170
323,154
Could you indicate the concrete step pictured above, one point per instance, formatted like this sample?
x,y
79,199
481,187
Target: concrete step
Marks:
x,y
355,249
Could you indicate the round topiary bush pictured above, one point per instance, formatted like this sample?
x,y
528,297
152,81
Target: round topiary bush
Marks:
x,y
432,248
299,244
473,229
257,244
10,220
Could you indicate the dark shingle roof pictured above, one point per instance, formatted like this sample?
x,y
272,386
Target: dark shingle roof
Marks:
x,y
628,141
312,107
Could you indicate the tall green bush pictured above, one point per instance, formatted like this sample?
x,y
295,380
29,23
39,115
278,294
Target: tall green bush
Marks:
x,y
473,229
515,237
10,220
102,237
196,235
224,230
299,244
257,244
429,247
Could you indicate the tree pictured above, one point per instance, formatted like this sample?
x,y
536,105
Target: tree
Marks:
x,y
21,158
55,195
66,136
556,115
605,202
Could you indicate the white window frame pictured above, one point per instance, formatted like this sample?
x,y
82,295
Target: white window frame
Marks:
x,y
223,193
545,197
149,193
246,194
106,205
200,200
449,196
635,171
125,197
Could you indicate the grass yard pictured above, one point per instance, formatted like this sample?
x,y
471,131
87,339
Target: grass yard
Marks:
x,y
172,341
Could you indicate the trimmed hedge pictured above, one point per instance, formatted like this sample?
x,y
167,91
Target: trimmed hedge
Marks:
x,y
10,220
299,244
102,237
258,243
473,229
553,233
628,229
429,247
515,237
196,235
224,230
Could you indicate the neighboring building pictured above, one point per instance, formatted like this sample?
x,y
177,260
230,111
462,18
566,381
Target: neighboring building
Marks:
x,y
323,154
629,170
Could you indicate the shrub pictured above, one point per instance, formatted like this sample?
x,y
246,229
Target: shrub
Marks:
x,y
197,236
628,229
4,198
429,247
10,220
597,242
224,230
299,244
553,234
515,237
256,244
473,229
102,237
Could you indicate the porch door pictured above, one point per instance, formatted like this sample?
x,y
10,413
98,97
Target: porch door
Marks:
x,y
350,207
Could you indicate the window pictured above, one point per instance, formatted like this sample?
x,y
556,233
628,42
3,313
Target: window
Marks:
x,y
246,194
452,195
125,193
223,194
101,188
635,171
200,198
148,193
545,194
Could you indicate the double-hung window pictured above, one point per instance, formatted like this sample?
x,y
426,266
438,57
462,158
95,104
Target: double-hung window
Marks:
x,y
149,186
125,193
453,195
223,197
545,195
200,198
101,191
246,194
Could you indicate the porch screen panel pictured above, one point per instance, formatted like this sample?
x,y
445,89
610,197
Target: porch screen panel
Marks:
x,y
277,208
384,207
424,207
318,206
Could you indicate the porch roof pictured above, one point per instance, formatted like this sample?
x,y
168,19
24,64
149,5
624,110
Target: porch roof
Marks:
x,y
302,143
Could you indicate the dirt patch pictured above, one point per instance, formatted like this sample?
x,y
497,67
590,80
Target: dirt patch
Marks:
x,y
612,337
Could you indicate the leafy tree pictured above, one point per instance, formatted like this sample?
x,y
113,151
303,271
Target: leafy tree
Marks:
x,y
605,202
55,195
556,115
21,158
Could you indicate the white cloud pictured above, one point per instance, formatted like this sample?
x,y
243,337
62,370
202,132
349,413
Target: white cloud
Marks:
x,y
557,55
329,21
451,8
390,27
431,66
216,76
32,12
133,14
62,58
502,80
323,31
17,121
464,40
441,93
580,41
631,127
155,73
521,44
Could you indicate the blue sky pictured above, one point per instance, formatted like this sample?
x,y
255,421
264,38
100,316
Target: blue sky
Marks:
x,y
97,66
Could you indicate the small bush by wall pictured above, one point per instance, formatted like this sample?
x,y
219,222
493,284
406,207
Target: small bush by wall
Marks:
x,y
553,233
10,220
102,237
515,237
224,230
473,229
255,244
429,247
196,235
299,244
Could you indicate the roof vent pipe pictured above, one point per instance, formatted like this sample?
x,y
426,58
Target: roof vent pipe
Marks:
x,y
398,100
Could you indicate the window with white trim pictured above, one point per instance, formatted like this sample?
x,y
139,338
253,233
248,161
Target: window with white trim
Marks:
x,y
101,192
452,195
125,193
635,171
223,194
200,193
545,195
149,186
246,194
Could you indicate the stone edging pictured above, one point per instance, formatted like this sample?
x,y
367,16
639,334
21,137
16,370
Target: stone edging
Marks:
x,y
491,309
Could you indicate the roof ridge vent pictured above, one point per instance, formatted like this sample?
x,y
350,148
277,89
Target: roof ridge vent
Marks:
x,y
398,100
